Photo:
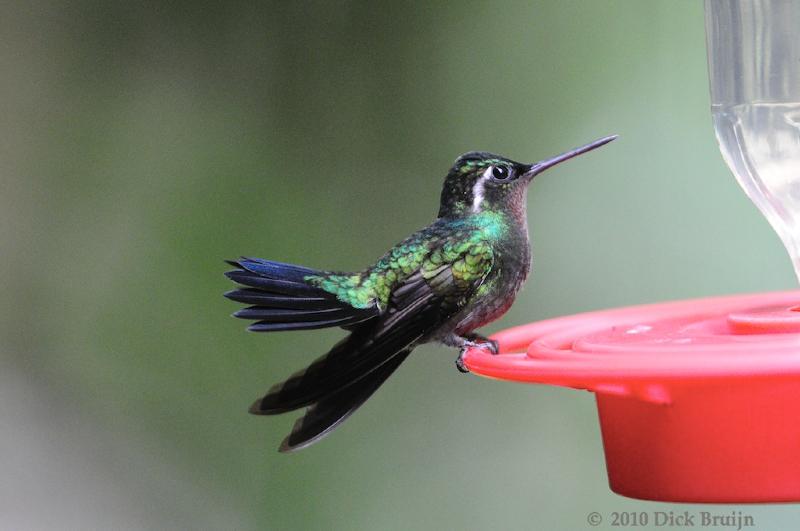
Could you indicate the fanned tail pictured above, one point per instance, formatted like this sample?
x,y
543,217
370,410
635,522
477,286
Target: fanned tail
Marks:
x,y
286,297
282,299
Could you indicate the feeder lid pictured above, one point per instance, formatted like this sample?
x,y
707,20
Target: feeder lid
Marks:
x,y
643,350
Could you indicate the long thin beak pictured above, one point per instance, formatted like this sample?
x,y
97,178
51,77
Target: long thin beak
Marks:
x,y
542,165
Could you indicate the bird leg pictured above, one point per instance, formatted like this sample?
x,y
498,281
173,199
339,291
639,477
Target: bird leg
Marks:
x,y
469,341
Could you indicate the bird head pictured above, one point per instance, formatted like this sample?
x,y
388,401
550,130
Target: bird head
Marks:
x,y
480,181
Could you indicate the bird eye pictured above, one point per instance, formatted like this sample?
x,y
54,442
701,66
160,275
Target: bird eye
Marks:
x,y
500,173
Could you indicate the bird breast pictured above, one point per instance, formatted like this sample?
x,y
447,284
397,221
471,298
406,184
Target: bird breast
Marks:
x,y
508,274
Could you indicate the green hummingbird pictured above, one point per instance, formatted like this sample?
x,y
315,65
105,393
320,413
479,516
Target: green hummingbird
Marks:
x,y
440,284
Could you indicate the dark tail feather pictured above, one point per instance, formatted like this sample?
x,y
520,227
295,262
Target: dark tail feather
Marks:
x,y
352,359
282,299
310,385
327,414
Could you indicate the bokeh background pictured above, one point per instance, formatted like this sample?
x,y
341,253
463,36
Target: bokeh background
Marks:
x,y
143,143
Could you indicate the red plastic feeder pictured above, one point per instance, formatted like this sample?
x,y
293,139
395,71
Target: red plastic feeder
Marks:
x,y
699,400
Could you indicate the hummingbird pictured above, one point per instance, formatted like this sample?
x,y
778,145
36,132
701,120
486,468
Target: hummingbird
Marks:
x,y
440,284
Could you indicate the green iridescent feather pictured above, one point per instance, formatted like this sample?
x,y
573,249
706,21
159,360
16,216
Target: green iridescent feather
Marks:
x,y
465,246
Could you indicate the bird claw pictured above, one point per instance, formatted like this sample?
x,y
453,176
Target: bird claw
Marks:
x,y
462,368
493,346
485,343
489,344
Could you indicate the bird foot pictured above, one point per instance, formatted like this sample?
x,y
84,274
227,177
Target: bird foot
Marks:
x,y
476,342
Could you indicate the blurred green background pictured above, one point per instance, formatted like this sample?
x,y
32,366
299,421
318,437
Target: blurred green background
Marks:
x,y
141,144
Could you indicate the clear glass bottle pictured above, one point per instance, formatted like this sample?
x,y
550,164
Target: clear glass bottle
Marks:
x,y
754,72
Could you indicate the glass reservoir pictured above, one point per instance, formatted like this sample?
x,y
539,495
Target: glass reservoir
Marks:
x,y
754,72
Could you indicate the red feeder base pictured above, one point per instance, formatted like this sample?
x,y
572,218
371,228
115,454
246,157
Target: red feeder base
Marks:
x,y
698,400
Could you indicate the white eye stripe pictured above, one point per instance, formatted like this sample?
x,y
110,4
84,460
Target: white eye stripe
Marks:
x,y
479,189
